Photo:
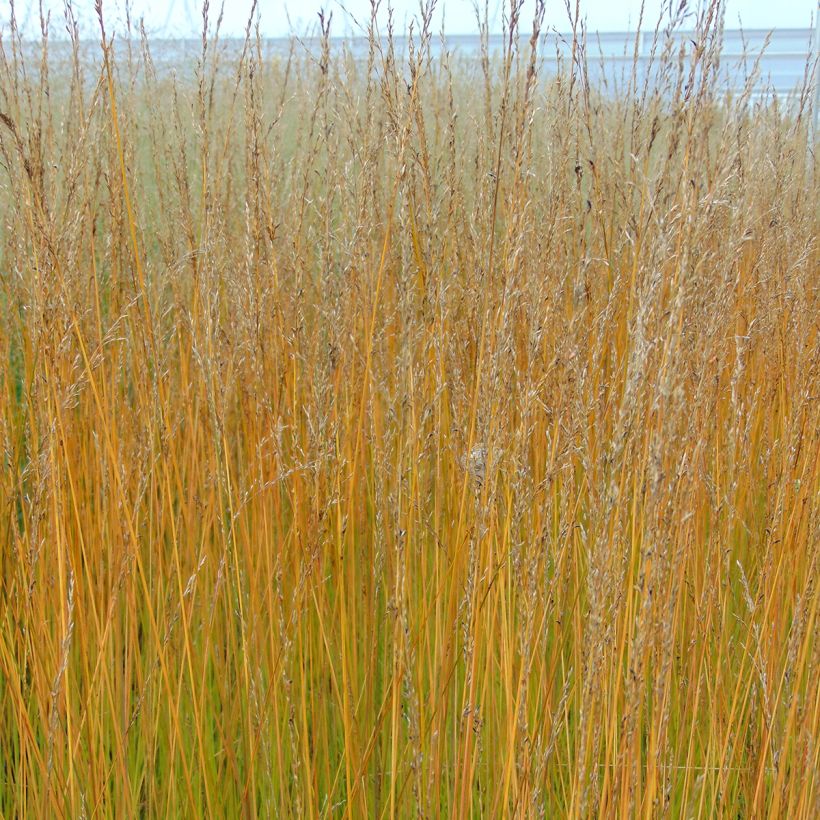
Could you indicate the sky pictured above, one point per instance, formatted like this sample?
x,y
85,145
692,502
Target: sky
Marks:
x,y
282,17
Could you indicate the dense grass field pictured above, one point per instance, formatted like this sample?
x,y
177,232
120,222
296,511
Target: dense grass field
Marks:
x,y
384,435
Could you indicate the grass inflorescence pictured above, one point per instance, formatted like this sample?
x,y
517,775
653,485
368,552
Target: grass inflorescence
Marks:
x,y
386,431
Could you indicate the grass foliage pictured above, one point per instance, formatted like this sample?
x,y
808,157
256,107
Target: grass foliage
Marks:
x,y
387,432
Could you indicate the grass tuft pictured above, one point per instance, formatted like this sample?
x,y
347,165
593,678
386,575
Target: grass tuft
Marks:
x,y
388,431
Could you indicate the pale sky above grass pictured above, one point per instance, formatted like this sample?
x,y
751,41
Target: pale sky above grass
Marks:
x,y
280,17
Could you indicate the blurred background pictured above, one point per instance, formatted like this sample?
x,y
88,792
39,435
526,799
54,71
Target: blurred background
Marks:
x,y
183,18
774,43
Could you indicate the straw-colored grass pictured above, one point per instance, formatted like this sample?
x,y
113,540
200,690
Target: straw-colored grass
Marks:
x,y
387,434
